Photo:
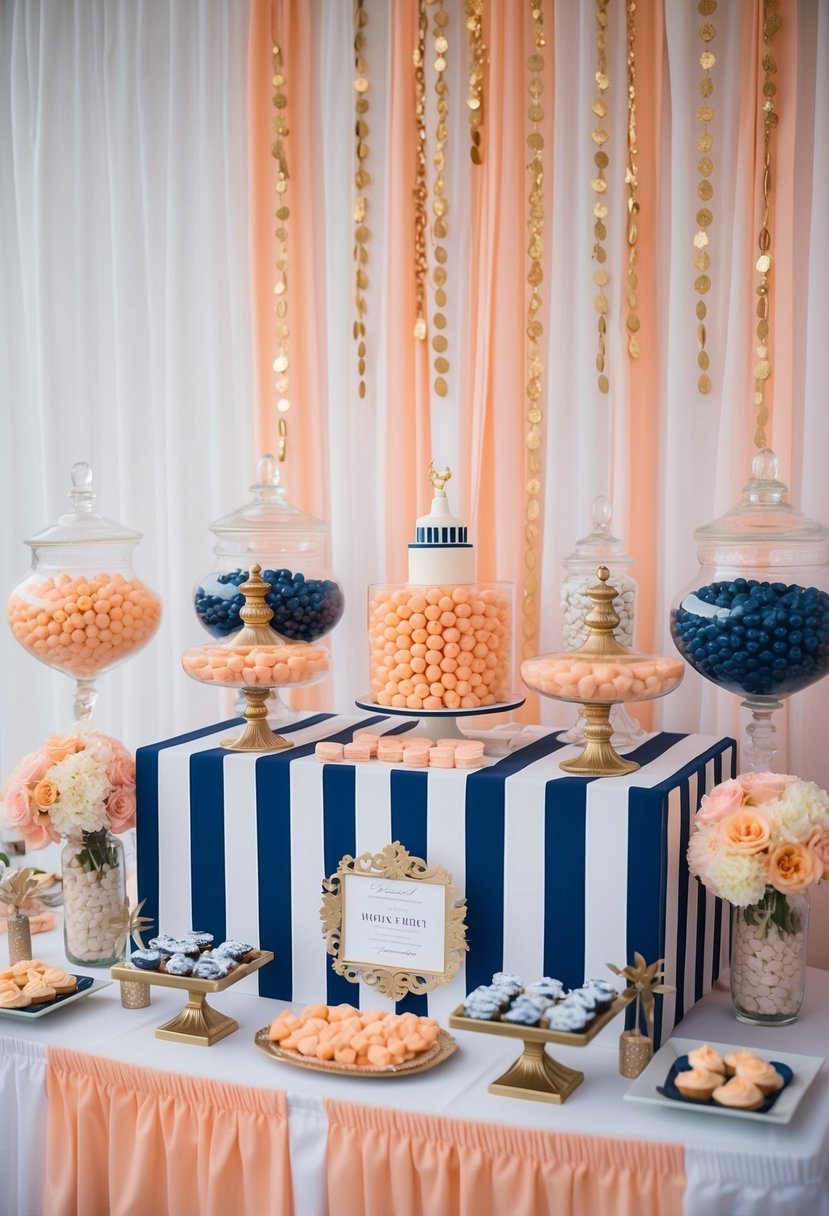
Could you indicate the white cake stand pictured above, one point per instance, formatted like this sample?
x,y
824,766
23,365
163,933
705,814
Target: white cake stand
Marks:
x,y
441,723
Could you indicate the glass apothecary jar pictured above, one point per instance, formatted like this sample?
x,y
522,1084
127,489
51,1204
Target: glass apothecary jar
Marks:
x,y
754,619
81,608
290,547
94,890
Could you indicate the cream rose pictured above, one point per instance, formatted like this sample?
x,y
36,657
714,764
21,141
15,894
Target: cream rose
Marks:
x,y
764,787
723,799
793,868
746,830
818,842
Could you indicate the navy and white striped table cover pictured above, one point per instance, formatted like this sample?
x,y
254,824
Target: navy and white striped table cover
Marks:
x,y
562,875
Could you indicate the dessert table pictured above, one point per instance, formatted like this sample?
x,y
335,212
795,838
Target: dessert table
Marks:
x,y
426,1127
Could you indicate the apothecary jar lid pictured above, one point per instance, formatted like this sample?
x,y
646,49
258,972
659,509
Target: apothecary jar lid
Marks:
x,y
764,524
269,512
600,546
83,524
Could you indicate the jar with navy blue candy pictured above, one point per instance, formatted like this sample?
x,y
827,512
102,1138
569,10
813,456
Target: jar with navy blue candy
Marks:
x,y
755,618
291,547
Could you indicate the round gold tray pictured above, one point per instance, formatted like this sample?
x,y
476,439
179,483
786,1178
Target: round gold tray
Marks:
x,y
441,1050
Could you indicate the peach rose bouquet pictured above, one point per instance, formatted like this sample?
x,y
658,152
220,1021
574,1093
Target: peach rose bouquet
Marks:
x,y
759,836
79,782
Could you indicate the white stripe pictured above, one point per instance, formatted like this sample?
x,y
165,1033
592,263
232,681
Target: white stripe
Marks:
x,y
175,914
241,885
309,958
691,924
524,800
671,907
446,837
605,882
372,798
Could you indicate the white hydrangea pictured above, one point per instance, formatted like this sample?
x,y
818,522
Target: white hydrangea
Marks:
x,y
738,877
803,807
83,788
94,744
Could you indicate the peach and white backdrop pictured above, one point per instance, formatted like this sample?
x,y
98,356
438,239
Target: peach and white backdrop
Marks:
x,y
136,269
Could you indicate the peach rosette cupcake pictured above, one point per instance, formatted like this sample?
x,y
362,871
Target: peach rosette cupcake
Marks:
x,y
762,1074
706,1057
740,1094
734,1058
698,1084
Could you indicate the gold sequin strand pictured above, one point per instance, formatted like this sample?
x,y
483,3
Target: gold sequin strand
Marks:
x,y
632,321
281,363
599,187
362,180
440,207
474,14
762,371
535,332
421,188
705,190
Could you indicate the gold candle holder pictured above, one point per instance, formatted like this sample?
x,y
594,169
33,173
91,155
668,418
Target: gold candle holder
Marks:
x,y
135,994
20,938
635,1052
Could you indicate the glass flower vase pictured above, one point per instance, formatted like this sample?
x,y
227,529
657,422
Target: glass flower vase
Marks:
x,y
94,889
768,958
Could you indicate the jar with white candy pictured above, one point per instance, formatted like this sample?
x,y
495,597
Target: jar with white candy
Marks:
x,y
768,958
94,889
599,548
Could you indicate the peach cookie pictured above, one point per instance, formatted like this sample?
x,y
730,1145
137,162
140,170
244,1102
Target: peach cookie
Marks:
x,y
37,991
11,997
368,738
706,1057
697,1083
390,750
331,753
362,1038
740,1093
442,757
416,757
356,752
762,1074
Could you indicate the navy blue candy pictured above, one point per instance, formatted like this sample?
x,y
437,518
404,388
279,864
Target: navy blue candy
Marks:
x,y
755,638
304,609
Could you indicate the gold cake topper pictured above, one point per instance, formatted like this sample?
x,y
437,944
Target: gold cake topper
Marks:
x,y
438,480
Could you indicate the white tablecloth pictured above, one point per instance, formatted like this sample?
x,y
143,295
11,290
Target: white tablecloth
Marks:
x,y
734,1168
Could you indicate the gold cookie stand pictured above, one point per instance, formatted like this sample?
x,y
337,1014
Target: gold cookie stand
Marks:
x,y
535,1074
198,1023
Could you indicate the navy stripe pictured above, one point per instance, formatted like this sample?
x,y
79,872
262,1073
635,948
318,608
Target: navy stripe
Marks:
x,y
702,898
733,758
695,765
208,899
339,834
273,853
146,814
565,824
401,729
647,882
682,900
409,800
484,849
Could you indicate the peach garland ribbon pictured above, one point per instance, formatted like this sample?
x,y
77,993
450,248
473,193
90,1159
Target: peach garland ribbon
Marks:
x,y
126,1140
389,1162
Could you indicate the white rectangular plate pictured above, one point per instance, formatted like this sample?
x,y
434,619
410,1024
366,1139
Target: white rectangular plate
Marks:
x,y
28,1014
644,1088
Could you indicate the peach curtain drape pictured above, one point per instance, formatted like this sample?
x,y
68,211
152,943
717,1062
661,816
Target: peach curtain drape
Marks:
x,y
126,1141
394,1163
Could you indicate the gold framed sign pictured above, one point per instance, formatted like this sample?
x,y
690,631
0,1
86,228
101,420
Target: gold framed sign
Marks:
x,y
393,922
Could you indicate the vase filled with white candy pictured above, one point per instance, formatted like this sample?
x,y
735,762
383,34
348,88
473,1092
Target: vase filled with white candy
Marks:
x,y
761,841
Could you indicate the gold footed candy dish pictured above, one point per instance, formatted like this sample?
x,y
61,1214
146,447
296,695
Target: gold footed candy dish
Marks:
x,y
256,660
600,674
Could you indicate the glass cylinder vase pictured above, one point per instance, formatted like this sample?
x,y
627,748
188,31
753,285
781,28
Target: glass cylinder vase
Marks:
x,y
768,958
94,889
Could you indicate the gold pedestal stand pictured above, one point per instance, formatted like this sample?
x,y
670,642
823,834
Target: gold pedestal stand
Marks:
x,y
257,735
535,1074
198,1023
599,758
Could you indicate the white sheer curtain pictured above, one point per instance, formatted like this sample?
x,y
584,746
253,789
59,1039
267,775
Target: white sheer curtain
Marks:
x,y
125,332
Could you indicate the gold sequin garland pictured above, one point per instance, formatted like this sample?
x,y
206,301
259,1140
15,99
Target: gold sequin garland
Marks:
x,y
535,332
282,214
762,371
705,191
362,180
474,14
632,321
421,188
440,207
599,187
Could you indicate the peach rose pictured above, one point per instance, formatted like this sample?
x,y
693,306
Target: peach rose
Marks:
x,y
745,831
121,769
723,799
61,746
121,809
764,787
45,794
18,806
793,867
39,832
818,842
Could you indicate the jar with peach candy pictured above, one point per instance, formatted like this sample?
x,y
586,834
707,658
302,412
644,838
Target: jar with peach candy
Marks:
x,y
440,647
81,608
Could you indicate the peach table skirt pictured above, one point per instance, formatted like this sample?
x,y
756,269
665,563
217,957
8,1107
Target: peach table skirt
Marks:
x,y
393,1163
126,1141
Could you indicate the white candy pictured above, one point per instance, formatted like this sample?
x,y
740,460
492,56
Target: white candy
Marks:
x,y
91,898
576,603
766,969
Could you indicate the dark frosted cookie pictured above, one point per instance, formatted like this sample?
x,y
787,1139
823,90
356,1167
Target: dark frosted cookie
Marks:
x,y
146,960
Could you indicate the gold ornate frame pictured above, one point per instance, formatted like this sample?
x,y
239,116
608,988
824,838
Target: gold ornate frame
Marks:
x,y
394,862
